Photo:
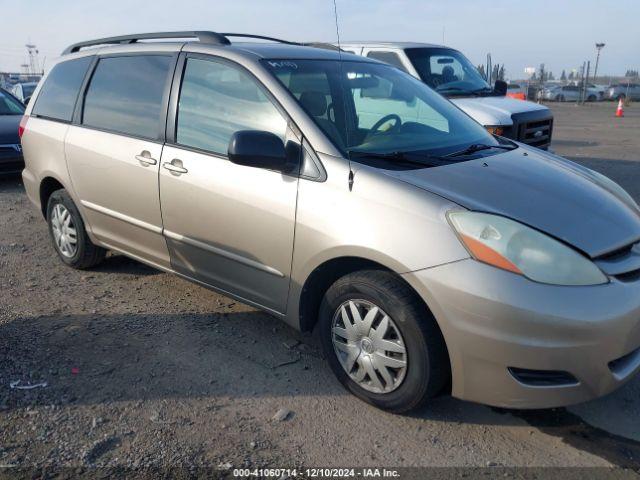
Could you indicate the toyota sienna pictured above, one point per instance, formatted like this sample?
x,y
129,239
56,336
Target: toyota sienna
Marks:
x,y
338,192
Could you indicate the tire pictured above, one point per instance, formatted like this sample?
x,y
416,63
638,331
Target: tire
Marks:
x,y
559,98
622,97
84,253
427,368
591,98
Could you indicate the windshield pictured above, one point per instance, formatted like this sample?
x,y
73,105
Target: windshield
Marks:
x,y
370,107
447,71
28,88
9,105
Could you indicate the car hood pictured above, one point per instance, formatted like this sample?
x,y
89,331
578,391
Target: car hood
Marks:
x,y
9,129
551,194
495,110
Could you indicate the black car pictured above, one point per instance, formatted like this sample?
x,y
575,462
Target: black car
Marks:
x,y
11,111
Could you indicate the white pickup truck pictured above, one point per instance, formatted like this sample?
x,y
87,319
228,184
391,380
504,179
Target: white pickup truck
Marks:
x,y
451,74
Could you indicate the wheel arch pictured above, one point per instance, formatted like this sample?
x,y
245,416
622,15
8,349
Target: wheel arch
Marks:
x,y
48,185
325,274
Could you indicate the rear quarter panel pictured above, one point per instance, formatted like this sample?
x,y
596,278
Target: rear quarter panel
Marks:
x,y
44,156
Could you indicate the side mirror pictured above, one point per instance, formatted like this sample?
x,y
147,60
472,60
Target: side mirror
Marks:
x,y
500,87
255,148
26,101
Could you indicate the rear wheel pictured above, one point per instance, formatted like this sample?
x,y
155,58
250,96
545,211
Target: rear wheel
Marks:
x,y
382,342
69,236
559,98
591,98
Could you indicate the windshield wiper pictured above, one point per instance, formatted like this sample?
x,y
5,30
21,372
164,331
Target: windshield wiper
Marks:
x,y
453,89
401,157
477,147
483,90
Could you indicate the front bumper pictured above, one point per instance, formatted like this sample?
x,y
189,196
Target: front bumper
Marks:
x,y
493,320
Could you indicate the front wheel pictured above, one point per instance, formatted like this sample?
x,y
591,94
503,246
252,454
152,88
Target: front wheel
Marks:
x,y
70,239
382,342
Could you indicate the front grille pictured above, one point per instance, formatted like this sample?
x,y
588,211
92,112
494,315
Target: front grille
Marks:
x,y
622,264
533,128
543,378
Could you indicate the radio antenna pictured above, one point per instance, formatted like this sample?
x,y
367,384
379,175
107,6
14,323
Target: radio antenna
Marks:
x,y
346,130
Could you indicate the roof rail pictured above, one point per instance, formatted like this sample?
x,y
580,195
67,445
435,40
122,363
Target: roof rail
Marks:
x,y
323,45
260,37
211,38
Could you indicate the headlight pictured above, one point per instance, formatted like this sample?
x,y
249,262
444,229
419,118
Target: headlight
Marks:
x,y
517,248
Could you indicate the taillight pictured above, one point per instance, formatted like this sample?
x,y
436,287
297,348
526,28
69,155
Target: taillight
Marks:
x,y
23,125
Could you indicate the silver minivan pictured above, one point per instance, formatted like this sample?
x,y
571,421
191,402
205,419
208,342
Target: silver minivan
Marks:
x,y
344,196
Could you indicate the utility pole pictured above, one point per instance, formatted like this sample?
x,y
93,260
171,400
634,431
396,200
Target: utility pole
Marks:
x,y
33,58
599,46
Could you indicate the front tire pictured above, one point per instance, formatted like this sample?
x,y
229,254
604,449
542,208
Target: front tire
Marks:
x,y
382,342
70,239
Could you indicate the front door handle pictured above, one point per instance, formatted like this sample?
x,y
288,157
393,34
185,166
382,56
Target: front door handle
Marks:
x,y
145,159
175,167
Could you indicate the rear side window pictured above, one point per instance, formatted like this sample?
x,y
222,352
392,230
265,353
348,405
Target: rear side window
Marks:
x,y
388,57
217,100
58,95
125,95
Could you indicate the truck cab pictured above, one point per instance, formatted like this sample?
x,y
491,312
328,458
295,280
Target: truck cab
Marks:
x,y
451,74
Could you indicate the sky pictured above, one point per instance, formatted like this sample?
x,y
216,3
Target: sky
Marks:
x,y
560,33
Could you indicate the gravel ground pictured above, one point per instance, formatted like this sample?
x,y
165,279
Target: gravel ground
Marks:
x,y
145,369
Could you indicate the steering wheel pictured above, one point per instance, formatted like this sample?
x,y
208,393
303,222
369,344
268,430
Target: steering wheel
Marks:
x,y
375,129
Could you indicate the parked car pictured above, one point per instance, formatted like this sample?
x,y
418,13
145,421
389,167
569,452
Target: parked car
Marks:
x,y
564,93
429,253
598,90
452,75
11,111
516,91
24,91
624,91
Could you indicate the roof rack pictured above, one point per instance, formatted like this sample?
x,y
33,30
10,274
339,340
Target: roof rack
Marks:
x,y
260,37
211,38
323,45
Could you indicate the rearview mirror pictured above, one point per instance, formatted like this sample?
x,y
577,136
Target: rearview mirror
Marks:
x,y
259,149
500,87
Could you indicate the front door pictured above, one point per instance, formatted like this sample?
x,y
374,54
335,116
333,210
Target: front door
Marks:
x,y
227,225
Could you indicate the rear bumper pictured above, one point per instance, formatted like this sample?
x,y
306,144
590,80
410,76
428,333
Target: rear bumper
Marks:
x,y
496,322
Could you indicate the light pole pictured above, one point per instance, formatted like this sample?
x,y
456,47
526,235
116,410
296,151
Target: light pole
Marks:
x,y
599,46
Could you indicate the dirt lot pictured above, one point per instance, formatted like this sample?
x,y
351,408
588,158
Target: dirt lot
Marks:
x,y
142,368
